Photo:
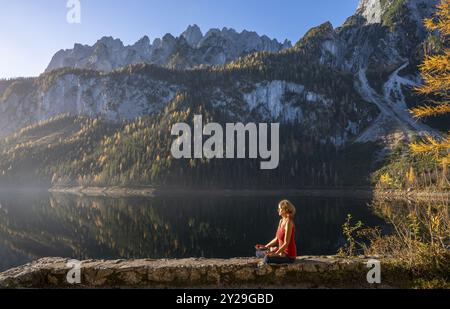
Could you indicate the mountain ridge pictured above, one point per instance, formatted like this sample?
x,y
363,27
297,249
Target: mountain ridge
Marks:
x,y
216,47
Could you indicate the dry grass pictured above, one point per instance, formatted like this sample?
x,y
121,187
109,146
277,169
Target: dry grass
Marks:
x,y
420,239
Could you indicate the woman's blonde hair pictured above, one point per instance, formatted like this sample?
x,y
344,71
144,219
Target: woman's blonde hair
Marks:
x,y
287,207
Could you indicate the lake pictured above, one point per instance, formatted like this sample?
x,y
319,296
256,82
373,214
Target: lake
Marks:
x,y
41,224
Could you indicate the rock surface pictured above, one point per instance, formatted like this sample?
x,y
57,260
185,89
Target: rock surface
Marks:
x,y
307,272
192,47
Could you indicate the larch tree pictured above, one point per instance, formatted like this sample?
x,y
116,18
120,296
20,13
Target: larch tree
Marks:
x,y
435,72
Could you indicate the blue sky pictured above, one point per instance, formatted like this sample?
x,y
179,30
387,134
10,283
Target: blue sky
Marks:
x,y
31,31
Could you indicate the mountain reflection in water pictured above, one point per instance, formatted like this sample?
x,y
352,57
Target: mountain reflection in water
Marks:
x,y
34,225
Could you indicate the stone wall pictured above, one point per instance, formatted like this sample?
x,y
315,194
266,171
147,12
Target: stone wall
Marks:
x,y
307,272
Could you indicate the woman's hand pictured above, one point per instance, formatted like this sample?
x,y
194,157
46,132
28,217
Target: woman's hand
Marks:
x,y
275,253
272,251
260,247
279,253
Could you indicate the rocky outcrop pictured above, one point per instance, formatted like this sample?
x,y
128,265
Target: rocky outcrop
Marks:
x,y
190,49
126,96
307,272
374,11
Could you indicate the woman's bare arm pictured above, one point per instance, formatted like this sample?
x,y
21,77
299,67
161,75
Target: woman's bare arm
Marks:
x,y
273,243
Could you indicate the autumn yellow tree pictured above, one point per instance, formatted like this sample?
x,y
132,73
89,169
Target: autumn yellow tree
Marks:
x,y
435,72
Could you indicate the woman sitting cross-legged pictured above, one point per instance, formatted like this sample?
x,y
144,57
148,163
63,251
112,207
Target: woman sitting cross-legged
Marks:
x,y
283,249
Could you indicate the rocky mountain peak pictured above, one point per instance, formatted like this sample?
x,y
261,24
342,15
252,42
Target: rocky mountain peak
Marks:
x,y
145,40
193,35
384,11
316,35
371,10
287,44
110,42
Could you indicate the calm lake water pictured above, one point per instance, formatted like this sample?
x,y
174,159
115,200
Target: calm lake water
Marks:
x,y
40,224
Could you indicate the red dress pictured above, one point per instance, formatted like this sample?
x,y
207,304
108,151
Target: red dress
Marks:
x,y
291,250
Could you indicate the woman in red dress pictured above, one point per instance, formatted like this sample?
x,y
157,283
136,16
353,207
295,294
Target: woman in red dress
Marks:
x,y
282,249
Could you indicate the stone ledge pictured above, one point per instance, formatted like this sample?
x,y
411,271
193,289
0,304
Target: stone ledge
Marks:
x,y
307,272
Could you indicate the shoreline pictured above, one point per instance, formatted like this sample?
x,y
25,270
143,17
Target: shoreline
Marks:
x,y
434,196
147,191
155,192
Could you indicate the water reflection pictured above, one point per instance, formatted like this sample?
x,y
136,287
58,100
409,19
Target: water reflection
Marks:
x,y
39,224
